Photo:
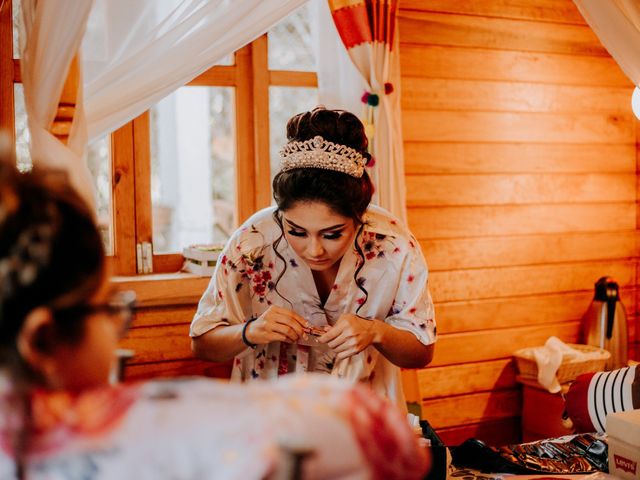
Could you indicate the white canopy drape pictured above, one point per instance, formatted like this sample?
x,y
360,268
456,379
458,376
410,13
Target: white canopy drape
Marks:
x,y
617,25
134,53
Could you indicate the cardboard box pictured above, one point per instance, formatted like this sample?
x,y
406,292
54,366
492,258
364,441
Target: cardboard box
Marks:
x,y
623,430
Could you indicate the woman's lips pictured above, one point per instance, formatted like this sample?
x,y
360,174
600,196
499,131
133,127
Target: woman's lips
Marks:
x,y
324,260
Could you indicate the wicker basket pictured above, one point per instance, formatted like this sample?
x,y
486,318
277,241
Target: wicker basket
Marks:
x,y
569,369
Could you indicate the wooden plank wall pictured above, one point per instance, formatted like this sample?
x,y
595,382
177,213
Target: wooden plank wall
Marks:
x,y
520,152
159,335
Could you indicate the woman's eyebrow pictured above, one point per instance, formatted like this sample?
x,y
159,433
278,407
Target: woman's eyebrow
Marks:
x,y
334,227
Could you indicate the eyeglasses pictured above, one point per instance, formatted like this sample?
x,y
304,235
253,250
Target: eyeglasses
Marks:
x,y
120,306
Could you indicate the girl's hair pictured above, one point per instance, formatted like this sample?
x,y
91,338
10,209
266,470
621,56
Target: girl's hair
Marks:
x,y
51,254
345,195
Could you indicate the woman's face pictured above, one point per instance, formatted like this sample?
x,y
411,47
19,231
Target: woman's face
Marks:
x,y
88,362
318,235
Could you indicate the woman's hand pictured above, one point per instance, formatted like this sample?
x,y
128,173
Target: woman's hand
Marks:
x,y
277,324
351,335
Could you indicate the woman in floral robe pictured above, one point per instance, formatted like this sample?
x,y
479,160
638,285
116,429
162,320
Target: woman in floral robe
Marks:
x,y
323,258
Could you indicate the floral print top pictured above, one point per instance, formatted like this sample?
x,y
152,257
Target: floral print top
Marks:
x,y
200,429
251,276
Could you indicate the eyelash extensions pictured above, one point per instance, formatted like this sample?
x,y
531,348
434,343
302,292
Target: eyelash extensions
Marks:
x,y
328,236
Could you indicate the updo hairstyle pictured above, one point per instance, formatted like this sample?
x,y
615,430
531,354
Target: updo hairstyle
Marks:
x,y
345,195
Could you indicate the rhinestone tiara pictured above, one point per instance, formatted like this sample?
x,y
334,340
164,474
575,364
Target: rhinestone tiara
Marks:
x,y
320,153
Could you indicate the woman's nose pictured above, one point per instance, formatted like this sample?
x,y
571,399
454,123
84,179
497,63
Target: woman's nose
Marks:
x,y
315,248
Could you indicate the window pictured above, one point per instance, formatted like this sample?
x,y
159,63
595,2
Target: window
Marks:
x,y
200,161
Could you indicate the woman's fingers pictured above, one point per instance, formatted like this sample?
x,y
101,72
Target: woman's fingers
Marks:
x,y
284,322
287,331
344,346
290,318
332,334
343,356
297,322
279,337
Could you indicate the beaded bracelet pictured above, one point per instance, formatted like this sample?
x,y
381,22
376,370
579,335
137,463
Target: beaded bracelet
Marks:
x,y
244,333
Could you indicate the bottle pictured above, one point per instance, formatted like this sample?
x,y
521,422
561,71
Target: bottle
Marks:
x,y
604,324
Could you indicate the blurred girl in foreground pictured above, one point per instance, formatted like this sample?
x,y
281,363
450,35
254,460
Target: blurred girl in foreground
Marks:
x,y
60,322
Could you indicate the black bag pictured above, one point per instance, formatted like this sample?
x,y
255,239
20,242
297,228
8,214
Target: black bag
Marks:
x,y
583,453
438,453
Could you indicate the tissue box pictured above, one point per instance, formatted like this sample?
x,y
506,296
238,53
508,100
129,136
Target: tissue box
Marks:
x,y
623,431
201,259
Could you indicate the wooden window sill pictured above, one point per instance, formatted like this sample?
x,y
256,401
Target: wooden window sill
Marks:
x,y
162,289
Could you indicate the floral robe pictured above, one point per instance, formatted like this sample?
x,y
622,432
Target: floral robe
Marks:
x,y
245,283
200,429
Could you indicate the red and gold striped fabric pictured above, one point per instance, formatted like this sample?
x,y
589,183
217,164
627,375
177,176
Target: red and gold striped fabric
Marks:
x,y
365,21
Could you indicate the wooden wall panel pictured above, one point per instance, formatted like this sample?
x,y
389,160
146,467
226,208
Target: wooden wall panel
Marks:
x,y
451,62
465,409
484,345
492,432
456,285
506,96
504,251
167,315
166,289
159,343
557,11
514,189
522,188
159,336
468,378
499,33
452,126
178,368
486,158
505,312
481,221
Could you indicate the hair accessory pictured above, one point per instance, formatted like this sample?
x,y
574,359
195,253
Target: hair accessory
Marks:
x,y
320,153
29,254
244,333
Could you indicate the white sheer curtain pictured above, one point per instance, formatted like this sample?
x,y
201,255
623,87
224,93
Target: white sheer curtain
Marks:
x,y
341,85
51,33
134,53
617,25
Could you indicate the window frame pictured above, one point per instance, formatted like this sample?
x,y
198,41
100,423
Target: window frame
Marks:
x,y
132,221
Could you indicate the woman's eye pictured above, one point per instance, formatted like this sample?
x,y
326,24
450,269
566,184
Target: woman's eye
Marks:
x,y
297,233
333,236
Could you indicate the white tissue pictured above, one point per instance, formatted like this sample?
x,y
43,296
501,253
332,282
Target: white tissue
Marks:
x,y
549,358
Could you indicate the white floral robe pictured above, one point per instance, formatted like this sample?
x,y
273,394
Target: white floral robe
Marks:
x,y
200,429
246,283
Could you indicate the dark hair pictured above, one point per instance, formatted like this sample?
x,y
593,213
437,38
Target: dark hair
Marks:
x,y
344,194
51,253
